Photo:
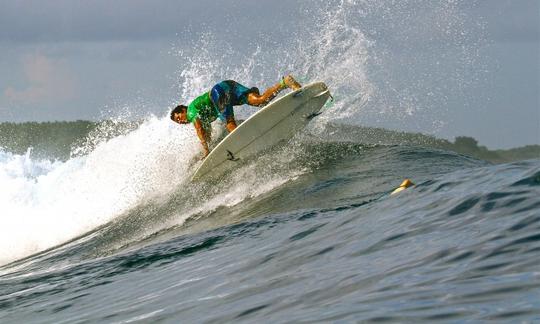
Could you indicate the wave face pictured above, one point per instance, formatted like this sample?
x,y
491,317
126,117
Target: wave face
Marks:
x,y
327,244
100,223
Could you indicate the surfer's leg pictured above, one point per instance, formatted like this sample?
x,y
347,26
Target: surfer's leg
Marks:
x,y
290,82
256,99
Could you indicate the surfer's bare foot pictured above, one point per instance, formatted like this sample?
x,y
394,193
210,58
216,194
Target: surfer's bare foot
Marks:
x,y
291,82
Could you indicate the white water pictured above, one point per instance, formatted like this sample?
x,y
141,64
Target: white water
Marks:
x,y
46,203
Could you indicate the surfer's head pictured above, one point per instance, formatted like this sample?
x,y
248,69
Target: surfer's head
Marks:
x,y
179,114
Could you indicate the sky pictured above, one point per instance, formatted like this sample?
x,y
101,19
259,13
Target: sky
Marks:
x,y
69,60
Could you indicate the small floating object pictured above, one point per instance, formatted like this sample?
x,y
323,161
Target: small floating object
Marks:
x,y
404,185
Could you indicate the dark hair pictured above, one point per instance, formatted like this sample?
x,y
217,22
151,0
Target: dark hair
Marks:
x,y
178,109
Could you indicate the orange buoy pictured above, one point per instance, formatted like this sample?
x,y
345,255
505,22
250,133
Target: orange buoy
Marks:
x,y
404,185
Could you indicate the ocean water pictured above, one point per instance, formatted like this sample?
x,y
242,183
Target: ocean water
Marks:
x,y
110,229
303,234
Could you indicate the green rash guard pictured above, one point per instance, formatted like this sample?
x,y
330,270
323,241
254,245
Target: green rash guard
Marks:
x,y
203,108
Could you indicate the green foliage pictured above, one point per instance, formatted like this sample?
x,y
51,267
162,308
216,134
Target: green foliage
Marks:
x,y
54,140
58,140
47,139
462,144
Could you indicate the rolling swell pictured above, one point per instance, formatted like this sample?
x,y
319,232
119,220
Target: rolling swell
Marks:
x,y
332,176
458,245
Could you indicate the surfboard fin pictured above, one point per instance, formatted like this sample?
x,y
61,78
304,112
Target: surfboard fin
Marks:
x,y
308,117
230,156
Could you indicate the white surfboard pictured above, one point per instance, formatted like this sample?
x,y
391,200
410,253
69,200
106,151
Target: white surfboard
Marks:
x,y
278,121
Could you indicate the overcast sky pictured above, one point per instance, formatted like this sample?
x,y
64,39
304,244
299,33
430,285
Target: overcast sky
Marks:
x,y
67,60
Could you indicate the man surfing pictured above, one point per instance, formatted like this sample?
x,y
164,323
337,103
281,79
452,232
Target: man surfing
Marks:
x,y
219,102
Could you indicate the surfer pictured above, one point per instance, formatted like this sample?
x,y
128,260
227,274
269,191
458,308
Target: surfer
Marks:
x,y
219,102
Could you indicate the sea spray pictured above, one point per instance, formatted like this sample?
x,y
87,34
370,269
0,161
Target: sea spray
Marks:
x,y
47,203
123,178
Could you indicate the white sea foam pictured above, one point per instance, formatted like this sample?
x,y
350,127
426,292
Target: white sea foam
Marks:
x,y
45,203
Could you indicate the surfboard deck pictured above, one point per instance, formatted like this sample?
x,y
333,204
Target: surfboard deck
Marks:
x,y
277,121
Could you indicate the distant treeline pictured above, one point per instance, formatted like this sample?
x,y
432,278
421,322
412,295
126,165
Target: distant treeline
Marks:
x,y
462,144
469,146
55,139
58,139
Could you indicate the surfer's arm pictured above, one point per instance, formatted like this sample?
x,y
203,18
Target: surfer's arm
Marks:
x,y
201,133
